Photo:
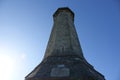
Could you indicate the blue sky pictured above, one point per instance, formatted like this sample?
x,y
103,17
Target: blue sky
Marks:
x,y
25,27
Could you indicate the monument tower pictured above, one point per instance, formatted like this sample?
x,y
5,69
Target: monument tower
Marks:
x,y
64,58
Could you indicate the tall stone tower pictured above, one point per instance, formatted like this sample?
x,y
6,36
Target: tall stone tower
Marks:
x,y
64,58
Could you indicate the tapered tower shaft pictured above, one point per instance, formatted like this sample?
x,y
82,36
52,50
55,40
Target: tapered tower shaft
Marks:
x,y
63,40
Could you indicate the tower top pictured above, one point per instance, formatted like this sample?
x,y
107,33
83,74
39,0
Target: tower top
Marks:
x,y
64,9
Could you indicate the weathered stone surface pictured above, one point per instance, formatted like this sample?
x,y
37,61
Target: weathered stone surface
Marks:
x,y
60,72
63,36
63,58
78,68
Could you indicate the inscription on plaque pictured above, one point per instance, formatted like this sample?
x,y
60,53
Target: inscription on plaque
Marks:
x,y
60,72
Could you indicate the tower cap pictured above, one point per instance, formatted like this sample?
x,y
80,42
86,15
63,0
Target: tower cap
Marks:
x,y
63,9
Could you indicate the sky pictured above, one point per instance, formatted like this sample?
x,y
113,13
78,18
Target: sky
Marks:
x,y
25,27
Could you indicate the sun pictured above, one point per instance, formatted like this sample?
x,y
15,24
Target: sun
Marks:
x,y
6,67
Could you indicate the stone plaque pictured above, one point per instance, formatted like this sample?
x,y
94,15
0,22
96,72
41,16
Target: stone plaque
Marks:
x,y
60,72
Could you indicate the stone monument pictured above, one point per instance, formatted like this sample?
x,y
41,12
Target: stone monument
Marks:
x,y
64,58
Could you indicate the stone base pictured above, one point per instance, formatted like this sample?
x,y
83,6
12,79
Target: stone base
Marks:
x,y
64,68
64,78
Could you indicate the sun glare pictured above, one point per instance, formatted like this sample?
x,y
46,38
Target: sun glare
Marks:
x,y
6,67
